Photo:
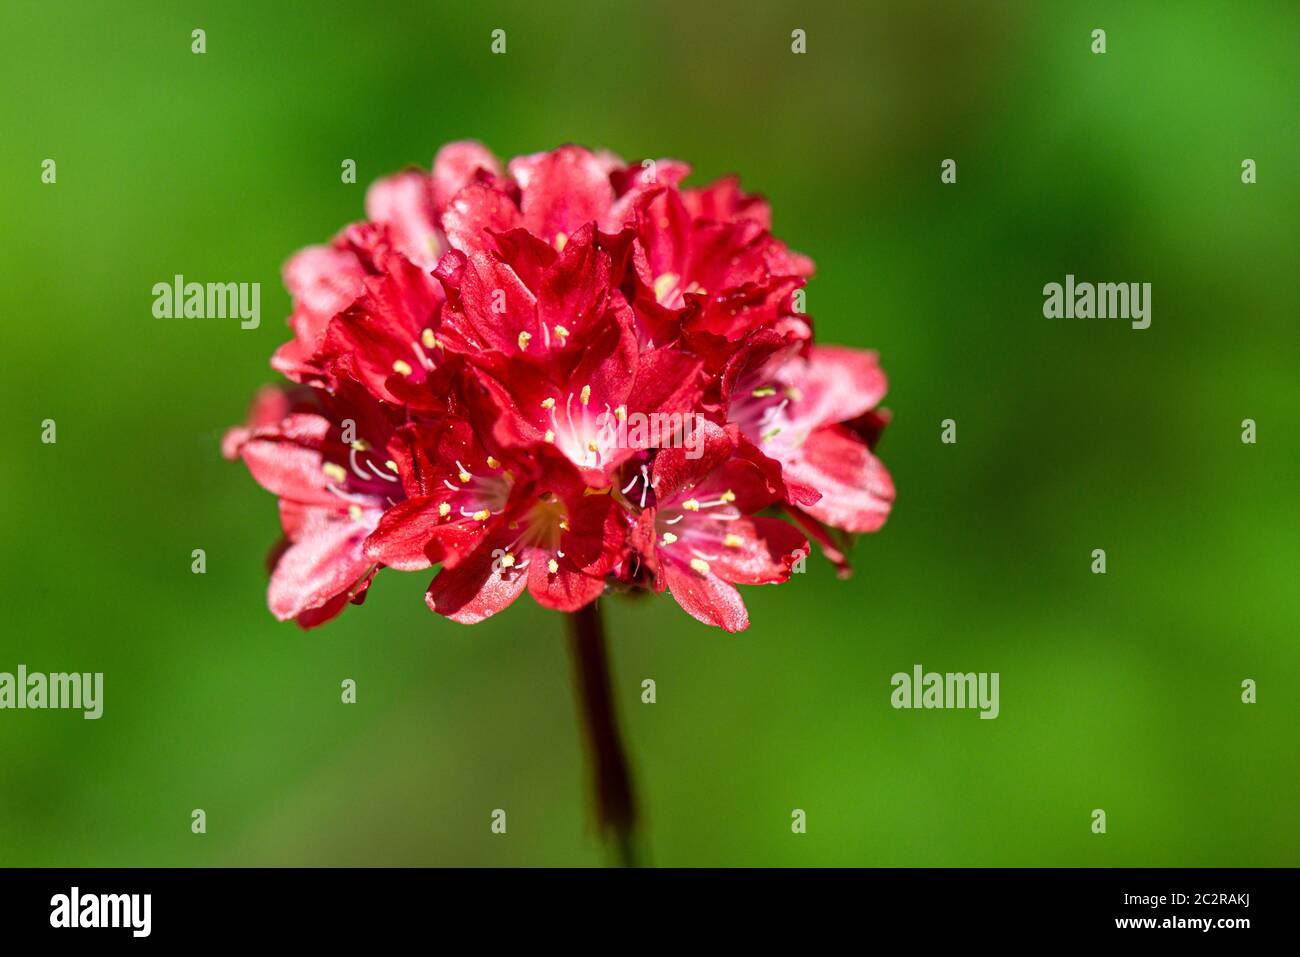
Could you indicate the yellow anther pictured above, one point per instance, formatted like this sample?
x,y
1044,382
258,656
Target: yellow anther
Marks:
x,y
561,332
390,465
564,525
549,436
793,394
361,445
401,368
669,538
524,339
728,496
335,471
691,505
560,241
464,477
444,509
663,284
507,560
429,339
552,566
733,541
620,413
482,515
548,403
355,512
592,447
585,394
764,392
493,463
700,565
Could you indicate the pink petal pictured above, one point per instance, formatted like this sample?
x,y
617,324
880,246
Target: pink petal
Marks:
x,y
856,490
324,563
455,166
403,202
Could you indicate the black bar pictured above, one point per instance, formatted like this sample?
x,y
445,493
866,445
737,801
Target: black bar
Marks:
x,y
331,906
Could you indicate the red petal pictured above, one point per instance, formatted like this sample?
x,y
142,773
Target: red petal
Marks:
x,y
566,589
403,532
724,202
706,597
474,209
561,191
761,552
477,588
573,290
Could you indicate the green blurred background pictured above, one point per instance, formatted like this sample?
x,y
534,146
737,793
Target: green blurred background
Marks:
x,y
1119,692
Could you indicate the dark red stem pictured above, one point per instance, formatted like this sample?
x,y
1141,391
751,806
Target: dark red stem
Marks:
x,y
612,780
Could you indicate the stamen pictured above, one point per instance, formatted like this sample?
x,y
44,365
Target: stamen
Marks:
x,y
481,515
586,394
356,469
669,538
764,392
354,511
361,445
548,403
507,560
401,368
620,413
335,471
733,541
728,496
429,339
524,339
549,436
552,566
561,333
700,565
464,473
691,505
444,509
493,463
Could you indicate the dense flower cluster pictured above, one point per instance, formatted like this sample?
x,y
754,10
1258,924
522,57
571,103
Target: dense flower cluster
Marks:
x,y
465,357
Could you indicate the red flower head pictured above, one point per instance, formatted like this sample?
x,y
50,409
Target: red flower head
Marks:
x,y
560,375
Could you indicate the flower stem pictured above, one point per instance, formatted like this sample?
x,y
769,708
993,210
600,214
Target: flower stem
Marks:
x,y
615,803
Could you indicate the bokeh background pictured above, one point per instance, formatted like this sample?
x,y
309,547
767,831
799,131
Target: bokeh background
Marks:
x,y
1119,692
